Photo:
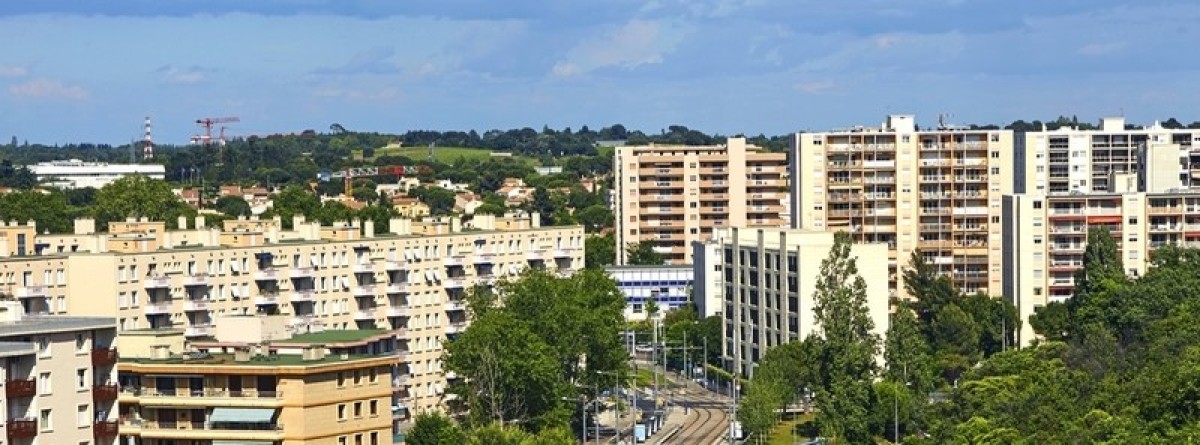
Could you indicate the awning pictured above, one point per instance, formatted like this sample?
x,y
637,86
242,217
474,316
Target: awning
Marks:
x,y
242,415
313,259
429,276
237,267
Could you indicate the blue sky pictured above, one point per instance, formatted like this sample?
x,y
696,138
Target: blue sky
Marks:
x,y
84,70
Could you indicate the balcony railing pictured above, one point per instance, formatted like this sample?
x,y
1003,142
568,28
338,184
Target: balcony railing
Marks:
x,y
394,264
396,311
196,280
156,282
157,308
201,330
20,388
196,305
454,282
104,356
27,291
105,428
364,314
267,274
207,393
22,428
397,288
364,267
366,290
299,295
266,299
104,393
302,272
456,305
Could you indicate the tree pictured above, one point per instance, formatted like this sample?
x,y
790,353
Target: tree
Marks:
x,y
139,196
931,289
643,254
846,346
907,354
432,428
1101,275
598,251
50,212
292,201
955,337
595,217
233,206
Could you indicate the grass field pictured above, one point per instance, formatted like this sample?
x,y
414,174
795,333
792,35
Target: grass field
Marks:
x,y
444,155
782,433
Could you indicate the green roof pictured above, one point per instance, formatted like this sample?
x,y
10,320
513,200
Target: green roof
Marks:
x,y
335,336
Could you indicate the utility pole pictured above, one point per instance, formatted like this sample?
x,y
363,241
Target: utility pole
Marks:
x,y
687,370
654,359
596,403
705,359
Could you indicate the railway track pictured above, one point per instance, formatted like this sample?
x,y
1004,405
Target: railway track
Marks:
x,y
710,422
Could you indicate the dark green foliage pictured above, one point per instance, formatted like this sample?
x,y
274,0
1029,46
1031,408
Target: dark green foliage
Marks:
x,y
432,428
642,253
233,206
598,251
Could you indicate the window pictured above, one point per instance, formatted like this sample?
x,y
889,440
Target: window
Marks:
x,y
1037,291
1037,204
44,383
45,420
341,380
357,377
342,440
80,343
357,409
1133,221
995,170
43,346
341,411
81,378
82,417
374,376
374,407
374,438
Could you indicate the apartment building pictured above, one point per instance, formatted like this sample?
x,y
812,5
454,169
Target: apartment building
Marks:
x,y
668,287
255,383
75,173
59,378
411,280
673,195
938,191
767,278
1069,160
1045,237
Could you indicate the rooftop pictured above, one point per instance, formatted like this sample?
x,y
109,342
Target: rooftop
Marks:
x,y
34,325
335,336
196,359
11,348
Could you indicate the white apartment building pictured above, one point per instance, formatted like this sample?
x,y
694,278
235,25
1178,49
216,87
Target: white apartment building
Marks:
x,y
938,191
59,378
73,173
673,195
1068,160
411,280
667,286
766,279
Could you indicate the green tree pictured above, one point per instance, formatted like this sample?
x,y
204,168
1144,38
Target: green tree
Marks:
x,y
594,218
139,196
439,200
955,337
907,353
431,428
233,206
49,211
292,201
598,251
1051,321
846,347
931,289
1101,275
643,254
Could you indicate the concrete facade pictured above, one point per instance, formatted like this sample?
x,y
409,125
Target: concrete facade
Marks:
x,y
938,191
78,174
667,286
768,281
674,195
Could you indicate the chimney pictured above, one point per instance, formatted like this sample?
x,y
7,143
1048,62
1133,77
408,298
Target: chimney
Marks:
x,y
297,221
455,224
241,354
368,228
535,219
160,352
312,353
400,226
182,222
199,223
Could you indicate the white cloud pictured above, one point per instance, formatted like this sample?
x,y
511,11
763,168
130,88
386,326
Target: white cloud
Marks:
x,y
815,86
48,88
636,43
191,75
13,71
1100,49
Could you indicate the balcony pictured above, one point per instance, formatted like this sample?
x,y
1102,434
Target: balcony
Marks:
x,y
196,305
105,428
22,428
104,357
20,388
397,288
455,305
28,291
303,295
267,274
365,290
485,258
302,272
456,327
396,311
454,260
196,280
266,299
157,308
564,252
454,282
363,267
400,381
365,314
394,265
198,330
104,393
204,431
156,282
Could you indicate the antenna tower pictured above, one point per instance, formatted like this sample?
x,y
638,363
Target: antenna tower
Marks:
x,y
148,142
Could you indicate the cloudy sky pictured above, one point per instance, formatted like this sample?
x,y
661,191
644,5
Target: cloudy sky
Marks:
x,y
90,70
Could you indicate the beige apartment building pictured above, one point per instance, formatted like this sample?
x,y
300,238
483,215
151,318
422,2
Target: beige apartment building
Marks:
x,y
936,190
763,280
59,378
256,384
673,195
1069,160
411,280
1045,237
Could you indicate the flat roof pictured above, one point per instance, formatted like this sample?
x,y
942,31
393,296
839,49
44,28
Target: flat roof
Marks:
x,y
334,336
34,325
262,360
670,267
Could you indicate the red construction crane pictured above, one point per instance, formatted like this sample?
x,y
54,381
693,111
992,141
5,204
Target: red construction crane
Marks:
x,y
207,124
